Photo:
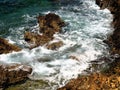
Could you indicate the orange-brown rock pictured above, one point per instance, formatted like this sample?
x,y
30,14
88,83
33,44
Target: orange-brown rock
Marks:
x,y
107,79
55,45
49,25
12,74
6,47
36,39
50,22
95,81
114,39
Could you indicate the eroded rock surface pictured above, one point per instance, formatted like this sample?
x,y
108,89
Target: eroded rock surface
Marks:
x,y
109,77
55,45
12,74
50,22
49,25
6,47
114,40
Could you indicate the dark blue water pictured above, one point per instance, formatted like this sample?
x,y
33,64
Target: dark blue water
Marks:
x,y
12,12
87,28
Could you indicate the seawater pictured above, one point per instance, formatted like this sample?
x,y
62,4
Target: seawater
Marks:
x,y
87,27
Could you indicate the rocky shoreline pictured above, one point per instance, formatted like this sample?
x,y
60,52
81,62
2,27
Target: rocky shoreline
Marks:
x,y
49,25
109,77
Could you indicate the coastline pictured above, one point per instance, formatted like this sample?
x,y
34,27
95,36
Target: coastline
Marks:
x,y
89,82
109,77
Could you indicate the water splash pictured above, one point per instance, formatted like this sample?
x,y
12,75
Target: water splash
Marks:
x,y
83,38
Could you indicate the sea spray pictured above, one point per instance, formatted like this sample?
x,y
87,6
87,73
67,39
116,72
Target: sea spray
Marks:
x,y
83,38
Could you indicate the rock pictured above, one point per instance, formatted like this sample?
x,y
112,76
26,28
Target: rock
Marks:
x,y
49,25
95,81
12,74
6,47
114,39
109,77
36,40
55,45
31,85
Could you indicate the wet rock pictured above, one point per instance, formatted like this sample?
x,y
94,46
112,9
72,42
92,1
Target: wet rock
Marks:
x,y
114,39
55,45
74,57
35,40
6,47
109,77
49,25
12,74
103,3
95,81
31,85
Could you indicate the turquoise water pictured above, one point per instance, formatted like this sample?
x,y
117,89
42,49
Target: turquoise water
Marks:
x,y
12,13
87,27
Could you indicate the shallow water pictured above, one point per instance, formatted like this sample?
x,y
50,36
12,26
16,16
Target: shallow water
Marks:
x,y
83,38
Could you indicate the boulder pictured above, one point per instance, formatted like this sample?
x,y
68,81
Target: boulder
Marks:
x,y
55,45
6,47
49,25
50,22
36,40
107,79
12,74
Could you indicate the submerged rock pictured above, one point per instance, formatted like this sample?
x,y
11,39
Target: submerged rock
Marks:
x,y
49,25
12,74
6,47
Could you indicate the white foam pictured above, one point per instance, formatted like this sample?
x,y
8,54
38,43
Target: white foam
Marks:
x,y
88,27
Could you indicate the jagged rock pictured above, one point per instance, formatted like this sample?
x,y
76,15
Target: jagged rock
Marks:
x,y
36,39
6,47
103,3
49,25
55,45
107,79
95,81
113,40
12,74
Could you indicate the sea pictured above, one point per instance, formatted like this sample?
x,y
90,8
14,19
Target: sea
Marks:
x,y
86,28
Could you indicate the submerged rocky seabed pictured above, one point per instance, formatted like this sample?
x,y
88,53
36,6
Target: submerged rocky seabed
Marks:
x,y
59,49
